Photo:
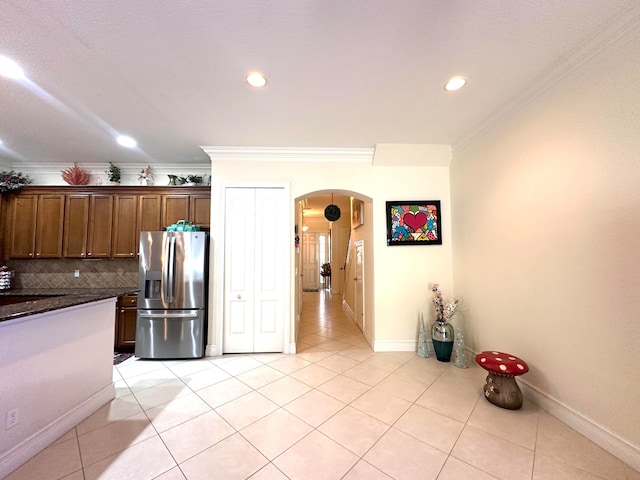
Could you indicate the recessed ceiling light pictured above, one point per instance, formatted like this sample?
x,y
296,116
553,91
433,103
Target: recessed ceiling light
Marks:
x,y
9,68
126,141
455,83
256,79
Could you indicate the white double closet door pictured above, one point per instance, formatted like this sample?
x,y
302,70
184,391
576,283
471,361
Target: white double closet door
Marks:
x,y
255,269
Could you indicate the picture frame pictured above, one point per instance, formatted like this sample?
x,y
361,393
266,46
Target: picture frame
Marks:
x,y
414,222
357,213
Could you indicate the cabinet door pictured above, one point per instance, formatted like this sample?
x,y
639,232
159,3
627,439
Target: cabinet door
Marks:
x,y
126,318
149,209
127,328
76,220
100,226
125,233
22,232
174,208
200,210
49,226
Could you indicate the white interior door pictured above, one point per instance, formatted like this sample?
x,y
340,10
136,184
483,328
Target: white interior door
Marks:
x,y
310,267
254,277
340,245
359,284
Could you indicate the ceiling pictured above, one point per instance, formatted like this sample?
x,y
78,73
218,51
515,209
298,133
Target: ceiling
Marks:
x,y
341,74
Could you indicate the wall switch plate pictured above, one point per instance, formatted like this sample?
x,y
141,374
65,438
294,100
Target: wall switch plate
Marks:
x,y
12,418
76,273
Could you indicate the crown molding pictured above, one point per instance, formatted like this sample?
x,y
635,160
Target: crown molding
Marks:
x,y
624,24
272,154
100,168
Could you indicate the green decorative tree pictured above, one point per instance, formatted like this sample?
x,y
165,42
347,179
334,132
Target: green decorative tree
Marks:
x,y
114,173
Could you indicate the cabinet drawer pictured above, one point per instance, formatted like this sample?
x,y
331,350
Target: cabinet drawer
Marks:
x,y
128,301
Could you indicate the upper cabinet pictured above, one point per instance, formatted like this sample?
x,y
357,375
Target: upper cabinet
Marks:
x,y
100,226
174,208
94,222
193,208
149,212
124,242
35,226
200,209
87,226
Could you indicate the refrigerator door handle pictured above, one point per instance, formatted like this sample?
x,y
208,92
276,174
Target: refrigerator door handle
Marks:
x,y
167,315
169,270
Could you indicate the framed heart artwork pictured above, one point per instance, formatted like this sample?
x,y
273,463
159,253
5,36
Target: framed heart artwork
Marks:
x,y
414,222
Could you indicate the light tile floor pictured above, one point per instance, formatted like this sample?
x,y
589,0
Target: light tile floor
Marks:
x,y
336,410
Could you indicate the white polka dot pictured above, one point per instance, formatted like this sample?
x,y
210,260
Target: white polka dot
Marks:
x,y
483,359
503,367
496,353
499,359
520,366
512,358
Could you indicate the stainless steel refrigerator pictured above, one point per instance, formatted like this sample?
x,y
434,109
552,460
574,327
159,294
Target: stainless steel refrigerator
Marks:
x,y
172,301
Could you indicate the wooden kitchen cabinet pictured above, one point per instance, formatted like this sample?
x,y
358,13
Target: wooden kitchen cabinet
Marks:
x,y
192,208
36,226
76,220
87,226
126,318
174,208
100,226
149,213
93,221
200,210
22,226
124,243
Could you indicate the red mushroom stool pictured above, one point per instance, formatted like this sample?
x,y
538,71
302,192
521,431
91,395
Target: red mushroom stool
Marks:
x,y
501,388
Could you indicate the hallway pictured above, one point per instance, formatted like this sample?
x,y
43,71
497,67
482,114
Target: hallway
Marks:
x,y
324,325
335,410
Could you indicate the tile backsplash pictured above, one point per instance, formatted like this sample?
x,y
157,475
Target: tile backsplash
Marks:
x,y
60,273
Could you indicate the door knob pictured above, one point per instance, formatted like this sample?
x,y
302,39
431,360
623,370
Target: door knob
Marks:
x,y
239,297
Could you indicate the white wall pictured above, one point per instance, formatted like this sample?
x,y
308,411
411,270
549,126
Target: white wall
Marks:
x,y
546,225
402,274
56,369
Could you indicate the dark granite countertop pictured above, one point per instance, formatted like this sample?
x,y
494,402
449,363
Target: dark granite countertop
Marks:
x,y
55,299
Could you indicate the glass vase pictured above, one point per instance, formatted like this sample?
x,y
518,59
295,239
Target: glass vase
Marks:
x,y
442,336
423,346
461,351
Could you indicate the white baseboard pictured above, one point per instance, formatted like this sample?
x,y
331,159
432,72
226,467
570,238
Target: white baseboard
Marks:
x,y
347,309
394,346
608,440
40,440
211,351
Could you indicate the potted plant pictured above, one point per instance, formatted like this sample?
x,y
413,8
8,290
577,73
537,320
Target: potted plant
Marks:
x,y
442,332
146,176
194,179
13,181
114,173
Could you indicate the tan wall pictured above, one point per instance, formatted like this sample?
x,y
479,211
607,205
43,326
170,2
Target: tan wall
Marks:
x,y
397,290
546,226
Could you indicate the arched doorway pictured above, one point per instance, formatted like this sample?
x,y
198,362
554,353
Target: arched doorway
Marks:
x,y
321,241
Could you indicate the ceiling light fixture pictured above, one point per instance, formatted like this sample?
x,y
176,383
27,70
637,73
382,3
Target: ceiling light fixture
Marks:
x,y
9,68
126,141
455,83
256,79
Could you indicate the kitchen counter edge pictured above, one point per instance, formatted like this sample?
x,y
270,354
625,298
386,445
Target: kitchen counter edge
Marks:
x,y
57,298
